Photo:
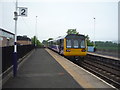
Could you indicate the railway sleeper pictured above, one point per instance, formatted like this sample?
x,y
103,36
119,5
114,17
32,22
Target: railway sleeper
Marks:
x,y
108,69
94,70
104,72
105,60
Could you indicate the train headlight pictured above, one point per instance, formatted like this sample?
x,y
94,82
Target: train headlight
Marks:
x,y
67,50
83,50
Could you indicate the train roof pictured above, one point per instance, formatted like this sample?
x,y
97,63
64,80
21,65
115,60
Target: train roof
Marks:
x,y
75,35
65,36
50,40
60,37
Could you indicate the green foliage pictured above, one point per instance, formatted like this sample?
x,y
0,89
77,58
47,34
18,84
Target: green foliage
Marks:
x,y
72,31
45,42
36,41
39,43
89,43
33,40
50,39
108,45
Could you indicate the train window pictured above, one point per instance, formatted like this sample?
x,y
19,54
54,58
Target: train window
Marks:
x,y
62,43
58,42
75,44
82,44
69,44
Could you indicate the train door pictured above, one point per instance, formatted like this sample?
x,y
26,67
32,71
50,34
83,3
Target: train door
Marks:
x,y
61,46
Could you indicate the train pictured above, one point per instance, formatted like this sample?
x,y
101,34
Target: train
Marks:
x,y
71,45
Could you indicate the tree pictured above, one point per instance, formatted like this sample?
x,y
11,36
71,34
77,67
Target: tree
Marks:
x,y
72,31
36,41
87,38
33,40
50,39
44,42
89,43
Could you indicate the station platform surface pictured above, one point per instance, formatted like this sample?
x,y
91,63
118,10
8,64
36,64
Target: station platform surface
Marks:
x,y
47,69
41,70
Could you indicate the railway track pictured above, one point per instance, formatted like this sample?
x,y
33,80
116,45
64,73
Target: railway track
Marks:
x,y
106,68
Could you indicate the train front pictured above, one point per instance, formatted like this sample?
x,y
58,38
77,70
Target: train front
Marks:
x,y
75,45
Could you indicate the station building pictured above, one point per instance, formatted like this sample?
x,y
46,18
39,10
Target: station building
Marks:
x,y
23,40
6,38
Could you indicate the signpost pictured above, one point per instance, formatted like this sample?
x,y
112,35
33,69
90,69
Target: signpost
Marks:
x,y
22,12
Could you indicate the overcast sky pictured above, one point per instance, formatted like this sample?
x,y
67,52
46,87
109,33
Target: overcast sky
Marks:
x,y
55,17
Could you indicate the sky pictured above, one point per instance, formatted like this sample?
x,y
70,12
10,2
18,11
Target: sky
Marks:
x,y
55,17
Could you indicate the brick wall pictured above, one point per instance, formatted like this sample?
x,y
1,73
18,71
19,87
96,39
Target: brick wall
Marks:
x,y
23,42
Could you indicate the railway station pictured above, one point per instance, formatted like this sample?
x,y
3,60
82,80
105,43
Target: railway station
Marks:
x,y
59,44
44,68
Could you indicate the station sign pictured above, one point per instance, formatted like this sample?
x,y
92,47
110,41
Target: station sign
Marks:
x,y
23,11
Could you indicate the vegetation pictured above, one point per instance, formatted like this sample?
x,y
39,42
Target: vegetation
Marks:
x,y
108,45
72,31
35,41
50,39
45,42
104,46
89,43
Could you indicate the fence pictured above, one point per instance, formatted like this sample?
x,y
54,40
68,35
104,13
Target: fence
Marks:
x,y
7,54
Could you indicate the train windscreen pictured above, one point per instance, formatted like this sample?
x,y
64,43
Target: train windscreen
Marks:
x,y
75,41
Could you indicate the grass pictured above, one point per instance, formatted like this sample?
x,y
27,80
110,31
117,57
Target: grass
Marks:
x,y
108,48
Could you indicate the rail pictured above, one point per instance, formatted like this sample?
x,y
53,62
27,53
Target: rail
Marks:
x,y
105,67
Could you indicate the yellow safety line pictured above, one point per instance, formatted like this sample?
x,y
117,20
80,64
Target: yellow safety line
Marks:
x,y
65,64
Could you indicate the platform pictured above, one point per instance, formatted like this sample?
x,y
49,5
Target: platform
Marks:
x,y
47,69
82,76
41,70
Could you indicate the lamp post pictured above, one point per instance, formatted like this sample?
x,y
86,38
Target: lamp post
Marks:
x,y
15,44
22,12
94,30
36,32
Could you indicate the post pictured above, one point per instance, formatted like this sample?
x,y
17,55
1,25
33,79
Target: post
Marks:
x,y
36,32
15,44
22,12
94,32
